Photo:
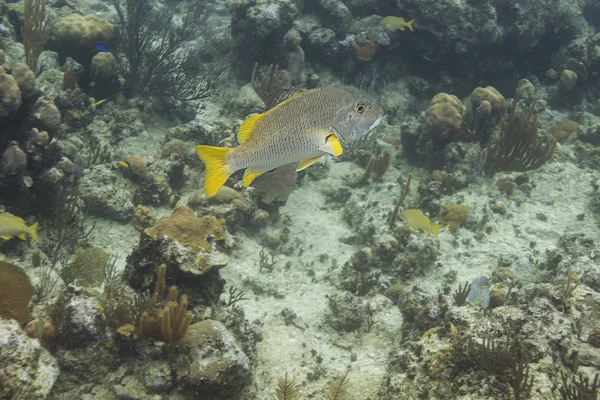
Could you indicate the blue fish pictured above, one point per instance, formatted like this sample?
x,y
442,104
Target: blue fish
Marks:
x,y
102,49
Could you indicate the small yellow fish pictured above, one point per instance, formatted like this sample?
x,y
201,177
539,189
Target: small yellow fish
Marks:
x,y
123,164
417,220
299,130
394,23
99,102
484,287
452,332
14,226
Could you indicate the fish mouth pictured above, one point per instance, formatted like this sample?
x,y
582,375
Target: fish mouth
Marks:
x,y
376,122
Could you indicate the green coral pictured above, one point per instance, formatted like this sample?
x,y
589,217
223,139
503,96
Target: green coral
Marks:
x,y
88,267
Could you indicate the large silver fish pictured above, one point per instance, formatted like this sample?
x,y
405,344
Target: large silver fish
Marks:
x,y
299,130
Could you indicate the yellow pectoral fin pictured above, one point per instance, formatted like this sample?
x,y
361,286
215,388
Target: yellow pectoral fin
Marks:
x,y
332,146
250,175
215,159
247,128
307,163
5,237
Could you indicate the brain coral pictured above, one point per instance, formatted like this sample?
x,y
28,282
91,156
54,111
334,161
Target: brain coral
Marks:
x,y
184,227
16,293
491,95
10,94
76,30
444,115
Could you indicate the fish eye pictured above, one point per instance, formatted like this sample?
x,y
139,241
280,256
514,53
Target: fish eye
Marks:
x,y
360,107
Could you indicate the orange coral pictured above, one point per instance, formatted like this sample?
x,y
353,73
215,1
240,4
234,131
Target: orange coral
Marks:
x,y
364,51
16,293
137,166
453,215
45,332
184,227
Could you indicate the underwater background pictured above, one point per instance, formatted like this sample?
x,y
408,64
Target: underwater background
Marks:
x,y
442,242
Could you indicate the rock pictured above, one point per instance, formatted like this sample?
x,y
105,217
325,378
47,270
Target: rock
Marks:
x,y
567,81
195,273
261,21
219,369
347,312
28,370
47,114
105,76
107,193
82,321
14,160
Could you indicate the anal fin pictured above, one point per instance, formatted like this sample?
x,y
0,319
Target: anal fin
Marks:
x,y
21,236
250,175
307,163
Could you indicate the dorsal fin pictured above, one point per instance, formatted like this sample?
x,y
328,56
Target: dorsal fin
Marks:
x,y
247,128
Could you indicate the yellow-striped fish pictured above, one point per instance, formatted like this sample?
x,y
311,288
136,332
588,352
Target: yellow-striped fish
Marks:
x,y
392,23
299,130
417,220
14,226
99,102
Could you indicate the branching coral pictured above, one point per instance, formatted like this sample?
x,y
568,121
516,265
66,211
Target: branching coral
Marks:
x,y
496,357
35,30
271,86
378,164
579,387
162,58
519,147
169,324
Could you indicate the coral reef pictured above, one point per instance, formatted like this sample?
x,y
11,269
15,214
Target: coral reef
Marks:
x,y
180,242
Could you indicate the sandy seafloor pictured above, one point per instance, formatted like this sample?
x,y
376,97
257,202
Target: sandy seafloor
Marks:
x,y
561,191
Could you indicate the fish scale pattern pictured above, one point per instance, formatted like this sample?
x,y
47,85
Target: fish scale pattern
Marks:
x,y
294,130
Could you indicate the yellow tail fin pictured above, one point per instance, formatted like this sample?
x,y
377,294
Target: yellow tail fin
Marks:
x,y
411,24
435,229
215,159
33,232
